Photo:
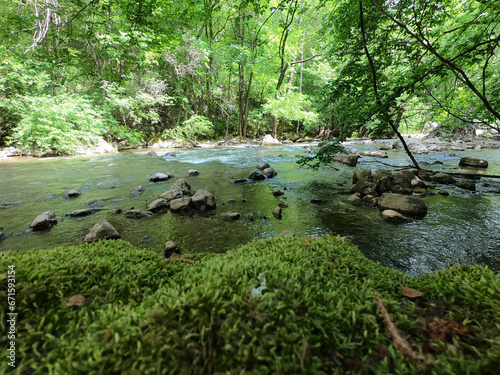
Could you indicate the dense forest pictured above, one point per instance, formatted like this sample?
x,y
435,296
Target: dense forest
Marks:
x,y
135,72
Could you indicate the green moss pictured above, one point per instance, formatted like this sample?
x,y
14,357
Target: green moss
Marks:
x,y
315,313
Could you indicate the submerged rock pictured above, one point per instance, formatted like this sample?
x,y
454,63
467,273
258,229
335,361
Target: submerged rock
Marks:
x,y
256,176
137,190
136,214
467,185
44,221
350,160
102,230
230,216
394,217
193,173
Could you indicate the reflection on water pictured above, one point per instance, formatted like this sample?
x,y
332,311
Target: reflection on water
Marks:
x,y
462,228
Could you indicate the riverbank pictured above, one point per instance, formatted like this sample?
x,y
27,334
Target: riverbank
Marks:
x,y
418,144
275,306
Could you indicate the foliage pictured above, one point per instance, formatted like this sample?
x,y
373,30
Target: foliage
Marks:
x,y
54,123
190,129
292,106
279,305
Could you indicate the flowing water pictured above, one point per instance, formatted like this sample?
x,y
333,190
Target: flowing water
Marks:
x,y
462,228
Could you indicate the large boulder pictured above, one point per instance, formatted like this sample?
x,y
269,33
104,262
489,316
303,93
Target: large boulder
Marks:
x,y
269,140
203,200
44,221
102,230
473,162
405,205
179,188
181,204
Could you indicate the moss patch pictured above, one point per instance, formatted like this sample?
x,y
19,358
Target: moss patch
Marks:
x,y
275,306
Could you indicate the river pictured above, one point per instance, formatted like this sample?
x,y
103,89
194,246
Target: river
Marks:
x,y
462,228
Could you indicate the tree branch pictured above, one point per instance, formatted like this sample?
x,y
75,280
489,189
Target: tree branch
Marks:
x,y
304,60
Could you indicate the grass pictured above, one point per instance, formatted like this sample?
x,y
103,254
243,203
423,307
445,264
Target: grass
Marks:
x,y
275,306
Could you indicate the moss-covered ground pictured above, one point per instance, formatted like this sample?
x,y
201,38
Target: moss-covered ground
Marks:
x,y
275,306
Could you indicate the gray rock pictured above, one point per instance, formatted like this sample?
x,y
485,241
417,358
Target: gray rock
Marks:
x,y
203,200
355,199
250,216
153,154
148,239
170,249
158,205
406,205
444,193
473,162
269,140
364,187
277,213
230,216
466,184
269,172
256,176
193,173
102,230
71,193
178,189
83,212
44,221
136,214
361,174
394,217
240,180
261,166
350,160
443,178
137,190
181,204
158,177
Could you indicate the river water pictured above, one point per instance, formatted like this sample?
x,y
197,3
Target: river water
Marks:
x,y
462,228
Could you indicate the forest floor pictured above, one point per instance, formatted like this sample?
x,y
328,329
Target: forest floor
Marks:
x,y
274,306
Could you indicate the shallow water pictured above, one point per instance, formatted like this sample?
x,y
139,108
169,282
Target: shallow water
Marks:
x,y
462,228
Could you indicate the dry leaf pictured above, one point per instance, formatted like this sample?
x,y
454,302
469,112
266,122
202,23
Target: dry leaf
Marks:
x,y
410,292
76,300
107,334
442,330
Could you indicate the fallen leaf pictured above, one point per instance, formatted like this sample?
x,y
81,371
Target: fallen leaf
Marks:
x,y
308,239
410,292
107,334
76,300
442,330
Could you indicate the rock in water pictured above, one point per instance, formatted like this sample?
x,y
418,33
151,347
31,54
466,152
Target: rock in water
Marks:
x,y
394,217
261,166
102,230
157,177
406,205
473,162
269,140
230,216
203,200
277,212
192,173
44,221
158,205
71,193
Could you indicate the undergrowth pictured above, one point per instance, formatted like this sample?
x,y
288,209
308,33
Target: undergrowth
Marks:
x,y
275,306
